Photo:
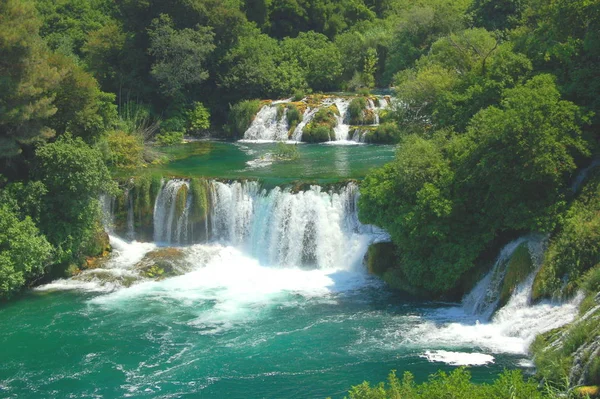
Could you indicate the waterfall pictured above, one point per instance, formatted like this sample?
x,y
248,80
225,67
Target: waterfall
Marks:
x,y
306,118
130,217
342,129
107,204
171,214
313,227
283,228
485,297
266,126
270,123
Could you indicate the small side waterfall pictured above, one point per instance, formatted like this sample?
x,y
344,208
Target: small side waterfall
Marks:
x,y
342,129
483,300
269,124
306,118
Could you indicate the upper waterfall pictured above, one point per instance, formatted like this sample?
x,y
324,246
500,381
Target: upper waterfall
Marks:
x,y
275,122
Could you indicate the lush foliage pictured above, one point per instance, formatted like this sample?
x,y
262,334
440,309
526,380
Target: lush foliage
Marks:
x,y
575,249
24,252
446,197
456,385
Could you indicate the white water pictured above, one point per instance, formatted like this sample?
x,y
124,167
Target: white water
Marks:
x,y
267,127
169,227
342,129
114,274
484,298
306,118
278,248
288,229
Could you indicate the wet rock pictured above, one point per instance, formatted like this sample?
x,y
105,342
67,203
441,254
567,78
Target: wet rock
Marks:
x,y
163,262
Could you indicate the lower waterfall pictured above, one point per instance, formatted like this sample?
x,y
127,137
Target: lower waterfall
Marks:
x,y
312,227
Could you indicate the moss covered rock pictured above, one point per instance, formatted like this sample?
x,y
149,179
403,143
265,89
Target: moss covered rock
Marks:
x,y
380,257
162,263
519,267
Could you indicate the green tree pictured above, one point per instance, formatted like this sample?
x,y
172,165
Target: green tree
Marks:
x,y
522,155
24,252
82,108
74,175
256,68
319,58
198,118
28,80
180,55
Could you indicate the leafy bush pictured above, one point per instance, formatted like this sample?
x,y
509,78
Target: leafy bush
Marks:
x,y
286,152
176,123
241,116
24,252
355,110
298,95
455,385
169,138
70,206
198,118
575,249
125,150
293,115
387,133
317,134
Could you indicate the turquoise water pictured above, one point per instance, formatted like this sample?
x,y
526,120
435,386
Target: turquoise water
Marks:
x,y
181,339
277,305
316,162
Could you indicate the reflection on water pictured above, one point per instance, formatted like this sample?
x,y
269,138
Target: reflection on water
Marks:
x,y
319,162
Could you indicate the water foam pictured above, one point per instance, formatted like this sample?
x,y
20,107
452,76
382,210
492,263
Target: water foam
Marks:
x,y
458,358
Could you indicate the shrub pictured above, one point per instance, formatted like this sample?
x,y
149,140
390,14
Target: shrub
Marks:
x,y
298,95
387,133
317,134
293,115
24,252
455,385
169,138
198,118
286,152
355,110
176,123
241,116
125,150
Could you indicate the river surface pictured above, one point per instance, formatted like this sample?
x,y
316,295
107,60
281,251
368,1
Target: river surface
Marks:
x,y
274,303
230,328
321,163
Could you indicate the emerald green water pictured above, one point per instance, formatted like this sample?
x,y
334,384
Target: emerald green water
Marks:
x,y
316,162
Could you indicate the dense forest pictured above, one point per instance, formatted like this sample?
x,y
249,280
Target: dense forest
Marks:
x,y
496,109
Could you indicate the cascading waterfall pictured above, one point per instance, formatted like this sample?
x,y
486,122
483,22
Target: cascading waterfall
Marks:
x,y
130,216
269,124
283,228
485,297
107,203
170,223
342,129
306,118
313,227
